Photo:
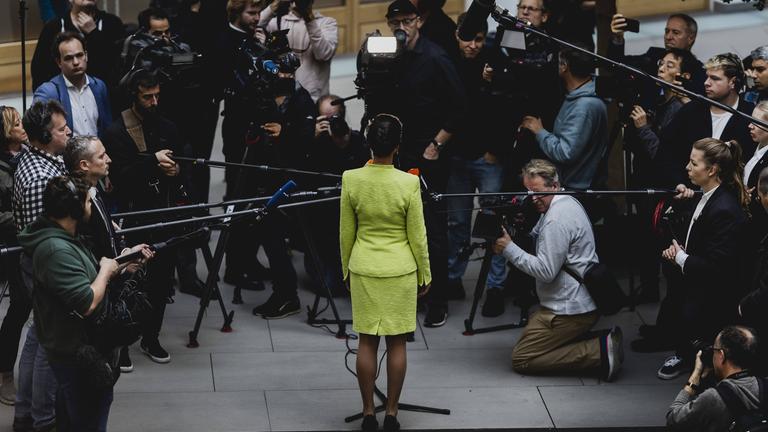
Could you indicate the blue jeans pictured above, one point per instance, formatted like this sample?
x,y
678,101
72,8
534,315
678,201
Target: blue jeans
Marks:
x,y
85,408
36,394
466,177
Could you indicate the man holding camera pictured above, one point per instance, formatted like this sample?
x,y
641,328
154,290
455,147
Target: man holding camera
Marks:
x,y
556,338
429,100
680,32
579,139
83,97
732,359
312,36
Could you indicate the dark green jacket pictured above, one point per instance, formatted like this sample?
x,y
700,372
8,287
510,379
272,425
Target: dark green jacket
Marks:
x,y
63,270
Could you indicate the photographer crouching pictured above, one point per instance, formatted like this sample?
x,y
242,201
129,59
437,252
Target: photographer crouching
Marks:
x,y
69,287
557,338
731,358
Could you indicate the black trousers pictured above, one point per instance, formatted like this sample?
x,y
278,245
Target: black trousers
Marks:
x,y
158,283
18,313
435,174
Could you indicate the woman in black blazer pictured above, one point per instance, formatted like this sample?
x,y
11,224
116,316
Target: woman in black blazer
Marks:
x,y
709,257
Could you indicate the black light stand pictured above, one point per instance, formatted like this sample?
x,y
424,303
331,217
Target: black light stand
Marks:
x,y
23,27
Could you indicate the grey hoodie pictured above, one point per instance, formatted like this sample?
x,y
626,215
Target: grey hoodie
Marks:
x,y
707,411
579,138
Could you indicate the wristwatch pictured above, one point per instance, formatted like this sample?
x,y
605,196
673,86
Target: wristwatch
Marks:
x,y
694,387
438,145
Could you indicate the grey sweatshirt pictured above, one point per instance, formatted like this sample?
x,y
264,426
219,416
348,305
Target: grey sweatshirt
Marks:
x,y
707,411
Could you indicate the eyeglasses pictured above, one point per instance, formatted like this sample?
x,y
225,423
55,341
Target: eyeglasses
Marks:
x,y
405,21
529,8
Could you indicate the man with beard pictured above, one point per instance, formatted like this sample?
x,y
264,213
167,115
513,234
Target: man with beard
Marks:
x,y
141,144
102,32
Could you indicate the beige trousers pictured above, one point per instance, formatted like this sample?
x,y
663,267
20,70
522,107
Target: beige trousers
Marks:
x,y
554,343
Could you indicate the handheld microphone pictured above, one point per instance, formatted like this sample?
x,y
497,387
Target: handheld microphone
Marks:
x,y
281,194
477,14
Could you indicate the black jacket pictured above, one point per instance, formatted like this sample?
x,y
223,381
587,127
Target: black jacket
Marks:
x,y
692,123
102,45
755,304
440,29
132,174
712,274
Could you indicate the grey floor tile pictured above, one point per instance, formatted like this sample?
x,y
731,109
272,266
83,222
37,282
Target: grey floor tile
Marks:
x,y
6,418
520,407
189,412
609,406
289,370
185,373
450,335
250,334
469,368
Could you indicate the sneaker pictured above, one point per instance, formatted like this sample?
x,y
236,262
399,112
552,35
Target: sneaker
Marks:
x,y
673,367
126,365
278,308
155,352
437,315
369,424
614,347
494,303
390,424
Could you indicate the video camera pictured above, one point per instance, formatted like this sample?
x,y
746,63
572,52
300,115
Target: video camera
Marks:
x,y
378,68
174,62
258,68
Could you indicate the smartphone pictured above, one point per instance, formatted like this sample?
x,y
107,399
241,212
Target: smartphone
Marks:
x,y
633,25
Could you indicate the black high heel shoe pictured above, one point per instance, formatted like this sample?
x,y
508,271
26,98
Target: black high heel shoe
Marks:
x,y
370,424
391,424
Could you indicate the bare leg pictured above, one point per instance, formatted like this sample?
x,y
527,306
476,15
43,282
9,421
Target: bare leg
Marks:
x,y
367,349
396,365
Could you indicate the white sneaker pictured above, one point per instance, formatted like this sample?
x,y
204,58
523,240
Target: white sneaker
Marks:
x,y
672,368
614,352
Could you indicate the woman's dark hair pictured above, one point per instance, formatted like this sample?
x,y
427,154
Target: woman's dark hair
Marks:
x,y
384,134
65,196
727,156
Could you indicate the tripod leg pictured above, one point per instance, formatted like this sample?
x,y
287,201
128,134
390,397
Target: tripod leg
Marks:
x,y
210,285
312,251
484,269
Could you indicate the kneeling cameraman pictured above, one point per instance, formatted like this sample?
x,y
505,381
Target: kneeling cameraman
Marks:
x,y
69,286
731,358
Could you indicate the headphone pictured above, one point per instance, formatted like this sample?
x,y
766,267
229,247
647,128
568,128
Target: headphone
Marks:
x,y
386,115
71,201
38,120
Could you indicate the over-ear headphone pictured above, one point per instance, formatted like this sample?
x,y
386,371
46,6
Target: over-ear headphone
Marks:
x,y
71,201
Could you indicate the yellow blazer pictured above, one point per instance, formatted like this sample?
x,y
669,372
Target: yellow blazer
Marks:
x,y
382,228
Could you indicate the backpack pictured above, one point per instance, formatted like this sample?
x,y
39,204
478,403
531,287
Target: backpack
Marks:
x,y
603,288
745,420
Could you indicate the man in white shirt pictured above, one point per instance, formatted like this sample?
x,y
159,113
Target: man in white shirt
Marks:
x,y
83,97
554,339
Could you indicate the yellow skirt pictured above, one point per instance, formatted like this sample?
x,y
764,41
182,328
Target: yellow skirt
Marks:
x,y
383,306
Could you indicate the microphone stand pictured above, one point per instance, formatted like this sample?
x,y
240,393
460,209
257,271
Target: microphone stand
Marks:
x,y
23,27
438,197
503,17
220,164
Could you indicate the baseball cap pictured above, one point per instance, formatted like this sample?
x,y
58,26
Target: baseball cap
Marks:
x,y
401,7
